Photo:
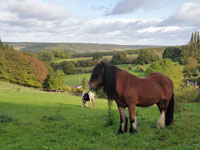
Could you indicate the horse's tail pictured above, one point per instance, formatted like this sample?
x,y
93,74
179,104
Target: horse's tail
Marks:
x,y
170,112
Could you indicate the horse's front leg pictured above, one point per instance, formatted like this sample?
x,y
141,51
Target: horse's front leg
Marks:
x,y
132,115
92,102
123,120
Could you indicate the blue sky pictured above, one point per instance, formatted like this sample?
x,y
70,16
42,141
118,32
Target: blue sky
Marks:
x,y
133,22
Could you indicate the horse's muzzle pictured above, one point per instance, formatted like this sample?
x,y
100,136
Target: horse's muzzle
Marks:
x,y
92,88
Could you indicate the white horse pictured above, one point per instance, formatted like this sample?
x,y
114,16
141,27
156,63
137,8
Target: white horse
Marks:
x,y
87,97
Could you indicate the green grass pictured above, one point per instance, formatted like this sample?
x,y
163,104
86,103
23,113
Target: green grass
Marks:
x,y
56,121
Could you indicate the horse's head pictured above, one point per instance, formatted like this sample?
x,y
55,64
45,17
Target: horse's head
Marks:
x,y
96,79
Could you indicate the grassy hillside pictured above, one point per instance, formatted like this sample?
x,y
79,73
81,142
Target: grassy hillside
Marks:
x,y
73,47
56,121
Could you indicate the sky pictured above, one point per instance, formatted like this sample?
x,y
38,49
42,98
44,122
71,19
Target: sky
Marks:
x,y
125,22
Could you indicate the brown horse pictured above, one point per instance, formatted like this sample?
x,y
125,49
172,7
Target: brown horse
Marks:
x,y
130,91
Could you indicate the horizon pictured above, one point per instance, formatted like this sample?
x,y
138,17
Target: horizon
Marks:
x,y
121,22
81,43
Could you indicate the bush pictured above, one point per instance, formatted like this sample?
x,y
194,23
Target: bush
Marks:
x,y
191,67
188,94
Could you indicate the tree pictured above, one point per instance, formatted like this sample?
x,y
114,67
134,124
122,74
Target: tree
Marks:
x,y
191,67
56,80
21,68
192,49
146,57
198,42
195,37
38,69
192,39
45,56
68,67
168,68
97,56
1,45
119,58
174,53
67,54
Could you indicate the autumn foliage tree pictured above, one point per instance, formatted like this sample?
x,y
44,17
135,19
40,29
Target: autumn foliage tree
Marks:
x,y
21,68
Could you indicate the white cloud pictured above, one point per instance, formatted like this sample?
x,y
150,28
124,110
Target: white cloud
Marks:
x,y
159,29
36,9
187,15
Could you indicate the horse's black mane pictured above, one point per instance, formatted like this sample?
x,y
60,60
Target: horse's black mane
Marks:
x,y
109,78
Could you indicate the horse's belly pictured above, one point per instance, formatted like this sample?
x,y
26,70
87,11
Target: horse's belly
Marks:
x,y
145,102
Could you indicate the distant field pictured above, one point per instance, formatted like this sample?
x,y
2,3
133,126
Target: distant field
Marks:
x,y
54,121
74,47
134,56
76,79
73,59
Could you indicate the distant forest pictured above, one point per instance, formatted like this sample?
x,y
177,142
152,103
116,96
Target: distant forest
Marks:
x,y
73,47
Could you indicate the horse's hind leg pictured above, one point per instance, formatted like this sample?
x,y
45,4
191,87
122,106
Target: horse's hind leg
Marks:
x,y
123,120
162,107
132,115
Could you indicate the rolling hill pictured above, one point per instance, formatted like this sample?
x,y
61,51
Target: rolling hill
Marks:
x,y
73,47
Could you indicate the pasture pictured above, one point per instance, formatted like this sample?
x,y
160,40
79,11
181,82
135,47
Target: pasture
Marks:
x,y
31,119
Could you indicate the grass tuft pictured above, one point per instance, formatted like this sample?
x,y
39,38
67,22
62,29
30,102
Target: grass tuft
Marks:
x,y
6,117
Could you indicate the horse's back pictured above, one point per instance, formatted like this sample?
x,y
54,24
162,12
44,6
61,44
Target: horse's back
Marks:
x,y
163,81
160,78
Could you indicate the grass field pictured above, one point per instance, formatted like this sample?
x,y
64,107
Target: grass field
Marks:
x,y
39,120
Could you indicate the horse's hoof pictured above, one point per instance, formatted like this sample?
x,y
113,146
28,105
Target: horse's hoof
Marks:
x,y
132,131
120,132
